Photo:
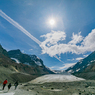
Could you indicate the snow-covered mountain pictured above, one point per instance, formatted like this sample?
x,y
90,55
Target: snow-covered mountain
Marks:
x,y
82,64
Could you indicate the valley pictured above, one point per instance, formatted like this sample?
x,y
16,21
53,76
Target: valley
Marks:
x,y
58,87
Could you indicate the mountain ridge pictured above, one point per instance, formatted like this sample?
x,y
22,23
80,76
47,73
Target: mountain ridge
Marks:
x,y
13,71
84,68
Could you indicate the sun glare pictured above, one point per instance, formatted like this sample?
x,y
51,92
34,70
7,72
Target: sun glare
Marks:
x,y
52,22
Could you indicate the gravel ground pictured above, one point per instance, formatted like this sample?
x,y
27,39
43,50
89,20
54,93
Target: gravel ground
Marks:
x,y
86,87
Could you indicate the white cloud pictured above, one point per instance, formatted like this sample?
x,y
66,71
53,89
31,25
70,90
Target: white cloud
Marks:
x,y
30,49
61,48
89,41
53,46
65,66
85,55
71,59
76,38
54,67
54,37
79,58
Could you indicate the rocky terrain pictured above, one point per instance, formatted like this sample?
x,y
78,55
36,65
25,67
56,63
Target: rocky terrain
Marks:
x,y
86,87
82,64
84,68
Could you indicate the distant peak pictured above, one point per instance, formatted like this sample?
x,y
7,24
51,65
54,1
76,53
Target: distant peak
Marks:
x,y
17,51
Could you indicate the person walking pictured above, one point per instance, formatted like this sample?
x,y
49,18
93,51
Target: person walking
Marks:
x,y
4,84
9,86
16,84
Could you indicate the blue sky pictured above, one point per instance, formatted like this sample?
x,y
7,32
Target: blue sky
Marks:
x,y
25,25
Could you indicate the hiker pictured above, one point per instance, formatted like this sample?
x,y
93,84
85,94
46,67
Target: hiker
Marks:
x,y
4,84
16,84
9,86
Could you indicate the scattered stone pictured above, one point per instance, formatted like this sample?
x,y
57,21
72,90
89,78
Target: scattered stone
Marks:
x,y
75,94
27,89
32,88
44,87
52,88
79,93
83,91
26,85
92,87
86,86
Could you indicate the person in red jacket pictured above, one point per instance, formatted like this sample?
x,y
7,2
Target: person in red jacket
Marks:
x,y
4,84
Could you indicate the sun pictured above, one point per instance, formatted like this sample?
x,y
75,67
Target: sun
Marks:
x,y
52,22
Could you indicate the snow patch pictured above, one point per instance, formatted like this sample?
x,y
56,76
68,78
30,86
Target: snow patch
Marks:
x,y
16,60
38,63
73,65
70,71
92,60
83,67
81,60
88,64
38,57
77,70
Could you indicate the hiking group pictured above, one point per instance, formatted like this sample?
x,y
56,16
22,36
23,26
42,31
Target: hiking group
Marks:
x,y
9,85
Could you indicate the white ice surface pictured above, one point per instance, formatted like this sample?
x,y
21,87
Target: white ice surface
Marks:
x,y
55,78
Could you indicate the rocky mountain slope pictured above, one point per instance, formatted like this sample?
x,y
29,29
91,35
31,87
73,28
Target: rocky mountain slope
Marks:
x,y
82,64
84,68
22,72
30,60
88,72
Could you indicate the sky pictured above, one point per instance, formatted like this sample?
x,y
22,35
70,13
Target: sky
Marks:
x,y
60,32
